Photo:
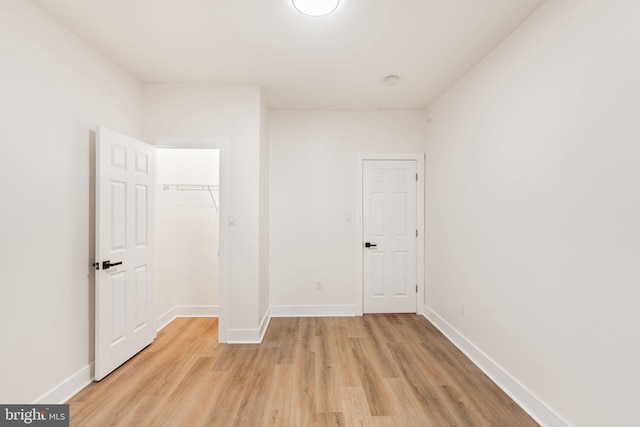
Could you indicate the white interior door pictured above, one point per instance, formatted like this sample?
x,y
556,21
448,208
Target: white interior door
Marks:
x,y
125,321
390,236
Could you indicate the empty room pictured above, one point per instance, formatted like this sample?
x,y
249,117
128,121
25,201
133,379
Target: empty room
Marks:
x,y
320,212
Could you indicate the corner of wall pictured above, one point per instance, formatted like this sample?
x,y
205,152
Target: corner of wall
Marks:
x,y
69,387
250,336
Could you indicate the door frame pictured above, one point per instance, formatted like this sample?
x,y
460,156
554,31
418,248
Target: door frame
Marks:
x,y
221,144
420,161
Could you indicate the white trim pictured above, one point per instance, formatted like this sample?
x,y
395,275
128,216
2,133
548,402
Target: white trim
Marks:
x,y
76,382
221,144
243,336
420,161
165,319
526,399
264,324
187,311
313,310
68,388
250,336
197,310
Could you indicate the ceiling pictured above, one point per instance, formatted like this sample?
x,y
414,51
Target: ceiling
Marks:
x,y
336,62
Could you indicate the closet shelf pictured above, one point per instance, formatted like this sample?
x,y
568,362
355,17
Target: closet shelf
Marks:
x,y
191,187
194,187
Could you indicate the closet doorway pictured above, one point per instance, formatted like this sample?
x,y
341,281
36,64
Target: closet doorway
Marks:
x,y
187,262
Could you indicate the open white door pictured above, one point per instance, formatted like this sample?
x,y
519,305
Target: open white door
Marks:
x,y
390,234
125,321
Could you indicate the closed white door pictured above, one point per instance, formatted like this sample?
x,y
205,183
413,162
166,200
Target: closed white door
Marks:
x,y
125,321
390,236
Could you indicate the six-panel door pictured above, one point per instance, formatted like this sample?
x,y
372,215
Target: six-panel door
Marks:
x,y
124,292
389,226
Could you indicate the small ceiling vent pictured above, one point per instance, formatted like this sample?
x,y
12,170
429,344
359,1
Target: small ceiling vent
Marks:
x,y
391,80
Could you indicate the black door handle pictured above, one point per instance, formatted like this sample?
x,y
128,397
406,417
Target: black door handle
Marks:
x,y
370,245
108,264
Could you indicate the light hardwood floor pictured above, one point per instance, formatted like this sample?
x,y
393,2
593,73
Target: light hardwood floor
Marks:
x,y
375,370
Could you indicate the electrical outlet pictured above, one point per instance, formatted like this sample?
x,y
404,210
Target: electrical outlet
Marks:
x,y
318,285
462,308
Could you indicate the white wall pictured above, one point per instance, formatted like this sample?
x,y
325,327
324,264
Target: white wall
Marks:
x,y
533,213
186,252
313,189
264,258
234,113
54,91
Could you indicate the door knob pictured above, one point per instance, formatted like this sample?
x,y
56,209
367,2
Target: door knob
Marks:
x,y
108,264
370,245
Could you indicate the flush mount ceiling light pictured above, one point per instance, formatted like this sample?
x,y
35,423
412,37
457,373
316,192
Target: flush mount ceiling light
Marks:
x,y
315,7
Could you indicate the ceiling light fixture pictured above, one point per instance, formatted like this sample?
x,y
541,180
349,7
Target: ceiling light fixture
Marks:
x,y
315,7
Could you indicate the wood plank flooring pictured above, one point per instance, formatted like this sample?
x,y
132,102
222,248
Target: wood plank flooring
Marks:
x,y
374,370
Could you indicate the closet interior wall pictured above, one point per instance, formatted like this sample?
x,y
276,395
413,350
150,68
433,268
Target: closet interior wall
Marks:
x,y
187,224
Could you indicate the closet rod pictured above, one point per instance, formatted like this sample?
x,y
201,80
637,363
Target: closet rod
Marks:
x,y
191,187
194,187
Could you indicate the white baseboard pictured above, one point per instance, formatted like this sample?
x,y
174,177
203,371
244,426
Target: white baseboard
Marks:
x,y
244,336
529,402
68,388
197,311
264,324
313,310
76,382
250,336
165,319
186,311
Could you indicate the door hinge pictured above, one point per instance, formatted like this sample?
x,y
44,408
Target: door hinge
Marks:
x,y
416,177
416,289
416,233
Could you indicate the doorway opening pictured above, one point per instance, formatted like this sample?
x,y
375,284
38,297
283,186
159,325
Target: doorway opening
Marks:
x,y
187,247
